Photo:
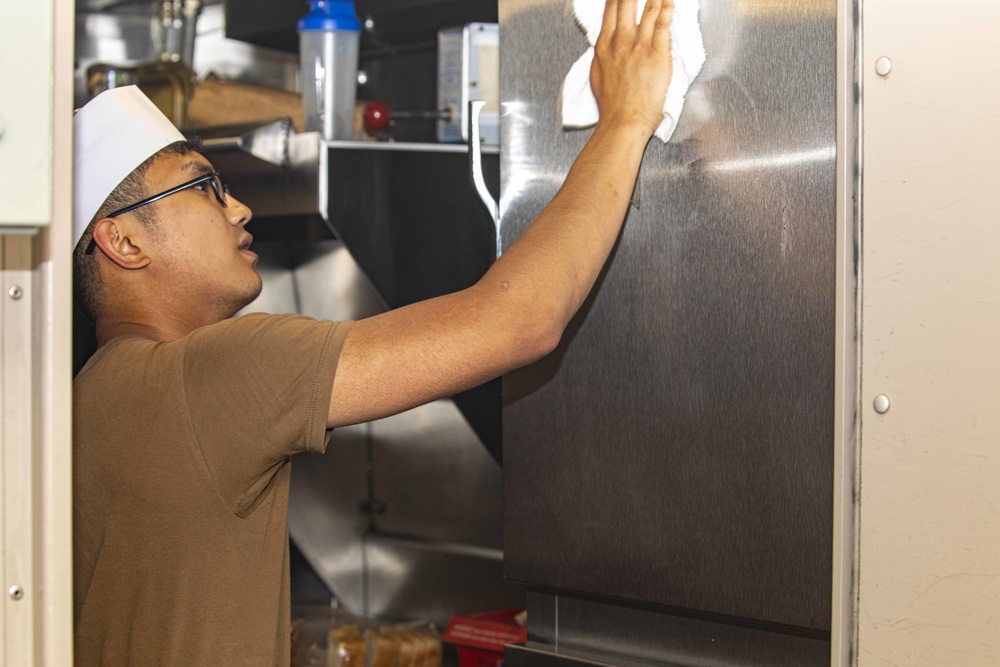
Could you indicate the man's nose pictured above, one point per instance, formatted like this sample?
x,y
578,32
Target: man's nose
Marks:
x,y
238,212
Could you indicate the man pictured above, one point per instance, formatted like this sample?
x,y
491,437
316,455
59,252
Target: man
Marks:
x,y
185,418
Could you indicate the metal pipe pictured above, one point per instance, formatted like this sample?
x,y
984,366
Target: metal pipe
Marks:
x,y
476,170
192,8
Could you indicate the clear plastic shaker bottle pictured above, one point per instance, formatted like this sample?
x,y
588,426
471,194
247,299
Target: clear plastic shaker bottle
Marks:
x,y
328,51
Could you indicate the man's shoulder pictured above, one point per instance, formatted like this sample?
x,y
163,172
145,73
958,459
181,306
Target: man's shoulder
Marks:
x,y
120,351
254,325
259,341
130,350
238,323
259,337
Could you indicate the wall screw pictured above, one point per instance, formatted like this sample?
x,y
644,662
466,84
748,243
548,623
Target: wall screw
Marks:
x,y
15,292
883,66
15,592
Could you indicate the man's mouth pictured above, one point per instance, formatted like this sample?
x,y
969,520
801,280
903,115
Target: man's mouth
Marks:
x,y
245,245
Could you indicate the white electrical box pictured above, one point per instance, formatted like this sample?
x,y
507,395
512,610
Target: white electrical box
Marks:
x,y
469,69
26,45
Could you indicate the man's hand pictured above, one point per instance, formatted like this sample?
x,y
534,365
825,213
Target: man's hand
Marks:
x,y
632,63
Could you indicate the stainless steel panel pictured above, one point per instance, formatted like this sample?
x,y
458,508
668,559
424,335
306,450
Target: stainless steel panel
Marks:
x,y
128,34
324,516
677,448
117,39
645,635
532,654
432,547
432,483
234,60
407,581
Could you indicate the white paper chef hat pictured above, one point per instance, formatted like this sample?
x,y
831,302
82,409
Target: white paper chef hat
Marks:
x,y
113,134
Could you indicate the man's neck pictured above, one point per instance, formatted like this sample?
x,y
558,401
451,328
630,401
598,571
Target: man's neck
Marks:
x,y
161,316
159,328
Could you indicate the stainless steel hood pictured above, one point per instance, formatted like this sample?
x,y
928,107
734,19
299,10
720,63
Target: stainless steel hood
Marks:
x,y
406,212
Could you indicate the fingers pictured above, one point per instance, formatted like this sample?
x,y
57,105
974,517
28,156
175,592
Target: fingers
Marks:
x,y
610,21
647,26
653,26
626,15
661,32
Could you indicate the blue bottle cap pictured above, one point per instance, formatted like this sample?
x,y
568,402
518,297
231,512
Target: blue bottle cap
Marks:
x,y
330,15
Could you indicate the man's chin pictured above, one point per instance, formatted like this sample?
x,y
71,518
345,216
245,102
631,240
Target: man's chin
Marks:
x,y
247,297
252,293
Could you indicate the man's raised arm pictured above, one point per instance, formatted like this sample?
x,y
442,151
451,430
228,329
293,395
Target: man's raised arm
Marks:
x,y
518,311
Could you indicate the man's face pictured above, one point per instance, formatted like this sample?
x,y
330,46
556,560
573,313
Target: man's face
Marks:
x,y
200,248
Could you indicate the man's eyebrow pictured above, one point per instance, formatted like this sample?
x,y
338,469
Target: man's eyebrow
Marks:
x,y
197,167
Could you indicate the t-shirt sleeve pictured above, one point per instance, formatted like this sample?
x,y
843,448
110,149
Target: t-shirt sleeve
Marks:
x,y
258,390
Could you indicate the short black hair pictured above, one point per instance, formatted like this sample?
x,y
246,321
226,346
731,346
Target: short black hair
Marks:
x,y
86,273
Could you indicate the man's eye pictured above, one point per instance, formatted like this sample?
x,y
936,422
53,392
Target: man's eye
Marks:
x,y
201,186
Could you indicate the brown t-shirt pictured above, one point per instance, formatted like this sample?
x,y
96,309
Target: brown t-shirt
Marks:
x,y
180,470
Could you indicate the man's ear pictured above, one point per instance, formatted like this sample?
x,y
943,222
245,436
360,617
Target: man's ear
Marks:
x,y
121,240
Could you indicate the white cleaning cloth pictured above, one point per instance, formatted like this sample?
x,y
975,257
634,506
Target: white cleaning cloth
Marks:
x,y
579,107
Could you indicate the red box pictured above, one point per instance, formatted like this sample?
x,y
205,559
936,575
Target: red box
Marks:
x,y
481,637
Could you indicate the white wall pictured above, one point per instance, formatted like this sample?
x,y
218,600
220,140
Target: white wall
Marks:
x,y
36,595
929,574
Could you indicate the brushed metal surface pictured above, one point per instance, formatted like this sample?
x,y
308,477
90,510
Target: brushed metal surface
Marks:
x,y
532,654
324,519
129,34
441,488
645,635
436,586
677,448
433,550
434,484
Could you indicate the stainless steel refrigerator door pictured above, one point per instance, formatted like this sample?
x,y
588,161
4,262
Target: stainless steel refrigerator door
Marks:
x,y
677,448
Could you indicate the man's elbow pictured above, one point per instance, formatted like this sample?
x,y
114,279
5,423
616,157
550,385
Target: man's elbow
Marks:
x,y
541,333
549,338
524,324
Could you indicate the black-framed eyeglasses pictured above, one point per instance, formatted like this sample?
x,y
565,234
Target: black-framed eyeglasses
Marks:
x,y
220,189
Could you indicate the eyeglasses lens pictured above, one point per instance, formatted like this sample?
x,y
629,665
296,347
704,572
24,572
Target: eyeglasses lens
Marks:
x,y
221,190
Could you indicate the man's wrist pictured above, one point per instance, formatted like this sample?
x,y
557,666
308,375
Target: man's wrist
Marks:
x,y
636,132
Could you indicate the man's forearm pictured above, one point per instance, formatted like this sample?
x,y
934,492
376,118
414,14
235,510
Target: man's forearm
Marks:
x,y
554,264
